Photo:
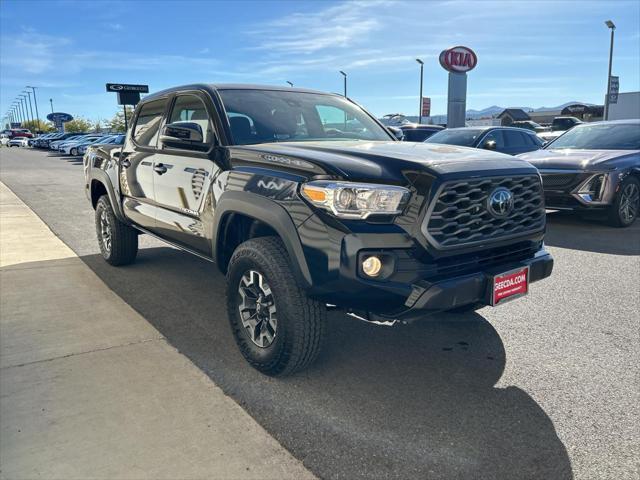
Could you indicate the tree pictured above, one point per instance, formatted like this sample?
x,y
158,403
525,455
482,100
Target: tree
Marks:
x,y
116,124
78,125
43,126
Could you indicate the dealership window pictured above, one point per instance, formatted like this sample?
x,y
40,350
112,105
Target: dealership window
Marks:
x,y
147,125
190,108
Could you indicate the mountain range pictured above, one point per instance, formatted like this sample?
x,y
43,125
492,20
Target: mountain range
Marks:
x,y
495,110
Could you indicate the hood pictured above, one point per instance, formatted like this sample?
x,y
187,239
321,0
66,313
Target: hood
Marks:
x,y
359,160
580,159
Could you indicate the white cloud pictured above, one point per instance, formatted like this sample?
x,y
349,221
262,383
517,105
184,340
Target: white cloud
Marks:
x,y
339,26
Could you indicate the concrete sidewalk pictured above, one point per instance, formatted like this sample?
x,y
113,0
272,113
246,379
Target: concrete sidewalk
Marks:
x,y
89,389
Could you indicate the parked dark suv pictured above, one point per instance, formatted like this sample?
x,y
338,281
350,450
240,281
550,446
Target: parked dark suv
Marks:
x,y
305,201
508,140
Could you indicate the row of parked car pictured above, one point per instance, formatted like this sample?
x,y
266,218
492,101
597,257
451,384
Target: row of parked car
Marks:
x,y
75,143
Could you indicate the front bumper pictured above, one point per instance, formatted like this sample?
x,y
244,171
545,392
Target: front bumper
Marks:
x,y
427,298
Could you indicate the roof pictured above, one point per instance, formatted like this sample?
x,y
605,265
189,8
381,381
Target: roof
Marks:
x,y
515,113
415,126
232,86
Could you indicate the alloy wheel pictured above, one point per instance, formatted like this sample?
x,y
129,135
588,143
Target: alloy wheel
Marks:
x,y
105,232
257,309
629,203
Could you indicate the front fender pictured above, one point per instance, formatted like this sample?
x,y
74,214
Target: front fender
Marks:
x,y
102,177
269,212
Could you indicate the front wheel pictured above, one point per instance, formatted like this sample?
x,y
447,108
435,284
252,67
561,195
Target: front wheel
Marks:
x,y
277,327
74,152
624,210
118,241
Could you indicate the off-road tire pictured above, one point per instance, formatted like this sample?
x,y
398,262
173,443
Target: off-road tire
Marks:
x,y
301,321
124,239
615,218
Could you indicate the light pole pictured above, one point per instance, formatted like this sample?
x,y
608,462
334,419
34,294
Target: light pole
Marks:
x,y
420,102
345,83
30,107
20,109
35,100
26,109
51,102
290,84
23,102
611,26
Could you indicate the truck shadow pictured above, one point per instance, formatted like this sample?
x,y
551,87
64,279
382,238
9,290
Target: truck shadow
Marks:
x,y
567,230
415,401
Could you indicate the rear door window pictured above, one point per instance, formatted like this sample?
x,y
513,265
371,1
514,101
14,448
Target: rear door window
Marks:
x,y
147,125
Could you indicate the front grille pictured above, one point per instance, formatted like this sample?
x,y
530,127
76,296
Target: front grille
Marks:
x,y
559,180
459,215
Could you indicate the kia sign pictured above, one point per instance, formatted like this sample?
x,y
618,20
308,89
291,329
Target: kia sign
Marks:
x,y
123,87
59,118
458,59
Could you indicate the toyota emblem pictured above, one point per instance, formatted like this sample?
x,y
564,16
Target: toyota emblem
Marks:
x,y
500,202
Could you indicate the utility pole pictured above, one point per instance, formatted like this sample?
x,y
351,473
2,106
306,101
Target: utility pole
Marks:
x,y
612,26
421,78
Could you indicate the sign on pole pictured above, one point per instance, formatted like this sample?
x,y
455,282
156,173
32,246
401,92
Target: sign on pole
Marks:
x,y
124,87
614,88
426,106
457,61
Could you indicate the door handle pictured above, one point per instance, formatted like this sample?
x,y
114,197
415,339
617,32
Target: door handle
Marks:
x,y
125,163
160,169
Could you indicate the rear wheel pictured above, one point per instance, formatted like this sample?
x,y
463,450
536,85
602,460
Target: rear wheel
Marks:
x,y
118,241
626,206
277,327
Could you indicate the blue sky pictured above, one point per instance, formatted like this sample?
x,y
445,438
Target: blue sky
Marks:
x,y
530,53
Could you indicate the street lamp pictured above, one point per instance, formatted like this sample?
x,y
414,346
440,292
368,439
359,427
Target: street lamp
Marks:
x,y
612,27
345,82
51,102
30,107
23,99
35,100
290,84
420,101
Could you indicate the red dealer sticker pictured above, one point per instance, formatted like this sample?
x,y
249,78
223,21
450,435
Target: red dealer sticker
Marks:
x,y
510,285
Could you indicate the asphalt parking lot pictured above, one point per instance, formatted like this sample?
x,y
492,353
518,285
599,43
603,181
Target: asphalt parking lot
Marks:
x,y
544,387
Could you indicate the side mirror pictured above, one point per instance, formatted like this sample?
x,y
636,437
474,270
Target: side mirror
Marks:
x,y
181,133
489,145
397,132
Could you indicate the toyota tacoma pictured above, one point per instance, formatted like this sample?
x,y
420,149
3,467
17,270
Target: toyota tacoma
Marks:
x,y
306,202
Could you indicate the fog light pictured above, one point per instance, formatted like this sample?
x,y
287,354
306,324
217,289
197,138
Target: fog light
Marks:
x,y
372,266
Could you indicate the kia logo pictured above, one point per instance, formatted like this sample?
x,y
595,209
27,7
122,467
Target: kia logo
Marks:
x,y
500,202
458,59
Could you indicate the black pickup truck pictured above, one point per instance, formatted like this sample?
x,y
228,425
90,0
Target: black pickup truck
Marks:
x,y
306,202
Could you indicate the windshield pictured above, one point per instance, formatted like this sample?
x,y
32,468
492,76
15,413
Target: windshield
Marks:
x,y
464,137
600,137
266,116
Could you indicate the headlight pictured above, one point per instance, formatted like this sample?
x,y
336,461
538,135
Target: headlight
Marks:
x,y
356,200
592,189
